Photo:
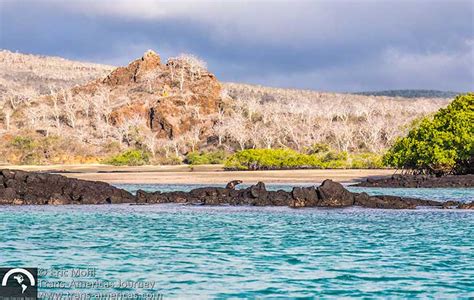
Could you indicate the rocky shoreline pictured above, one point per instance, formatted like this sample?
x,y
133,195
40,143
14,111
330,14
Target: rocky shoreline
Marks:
x,y
29,188
420,181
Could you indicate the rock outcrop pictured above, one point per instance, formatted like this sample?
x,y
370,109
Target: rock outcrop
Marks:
x,y
177,95
420,181
469,205
135,71
173,97
20,187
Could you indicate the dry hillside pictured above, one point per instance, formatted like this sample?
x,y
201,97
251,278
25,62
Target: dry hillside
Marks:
x,y
143,105
173,107
269,117
32,75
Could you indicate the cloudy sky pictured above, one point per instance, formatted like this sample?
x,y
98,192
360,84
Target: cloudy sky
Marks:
x,y
324,45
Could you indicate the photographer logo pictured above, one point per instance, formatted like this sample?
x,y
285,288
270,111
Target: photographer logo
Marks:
x,y
18,283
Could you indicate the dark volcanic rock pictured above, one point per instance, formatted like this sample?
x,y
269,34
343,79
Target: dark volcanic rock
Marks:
x,y
420,181
304,197
20,187
7,195
333,194
280,198
255,195
451,204
151,198
391,202
258,191
210,196
467,205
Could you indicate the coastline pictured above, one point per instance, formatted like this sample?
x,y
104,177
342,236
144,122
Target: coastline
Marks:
x,y
201,174
34,188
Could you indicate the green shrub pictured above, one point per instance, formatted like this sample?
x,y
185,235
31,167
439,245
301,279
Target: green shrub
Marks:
x,y
319,148
24,143
440,145
36,149
132,157
335,156
27,150
274,159
268,159
336,164
206,158
366,161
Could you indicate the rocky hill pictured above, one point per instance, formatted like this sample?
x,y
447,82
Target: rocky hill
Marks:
x,y
175,107
35,74
134,106
173,97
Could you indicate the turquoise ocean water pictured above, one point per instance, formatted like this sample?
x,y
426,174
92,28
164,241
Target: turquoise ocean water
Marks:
x,y
247,252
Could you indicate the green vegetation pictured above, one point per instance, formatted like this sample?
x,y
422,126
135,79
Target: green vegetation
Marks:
x,y
267,159
131,157
36,149
367,161
206,158
318,157
95,122
26,146
443,144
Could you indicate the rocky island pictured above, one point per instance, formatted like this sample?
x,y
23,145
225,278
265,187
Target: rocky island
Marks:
x,y
30,188
420,181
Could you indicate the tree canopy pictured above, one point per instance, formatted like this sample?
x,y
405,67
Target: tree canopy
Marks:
x,y
442,144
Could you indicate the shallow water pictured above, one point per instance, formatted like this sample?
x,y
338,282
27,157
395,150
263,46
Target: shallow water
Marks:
x,y
247,252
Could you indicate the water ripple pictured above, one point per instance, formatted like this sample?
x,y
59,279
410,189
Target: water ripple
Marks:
x,y
245,252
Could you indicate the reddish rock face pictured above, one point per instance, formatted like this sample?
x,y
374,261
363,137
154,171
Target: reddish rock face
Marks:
x,y
173,97
134,71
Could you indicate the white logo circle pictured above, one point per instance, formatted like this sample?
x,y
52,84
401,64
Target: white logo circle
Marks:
x,y
20,278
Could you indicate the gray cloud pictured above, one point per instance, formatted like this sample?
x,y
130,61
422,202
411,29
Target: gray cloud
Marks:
x,y
324,45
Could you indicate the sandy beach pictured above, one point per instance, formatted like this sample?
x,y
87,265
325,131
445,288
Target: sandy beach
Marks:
x,y
205,174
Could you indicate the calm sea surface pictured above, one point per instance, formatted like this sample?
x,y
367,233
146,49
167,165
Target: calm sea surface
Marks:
x,y
246,252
